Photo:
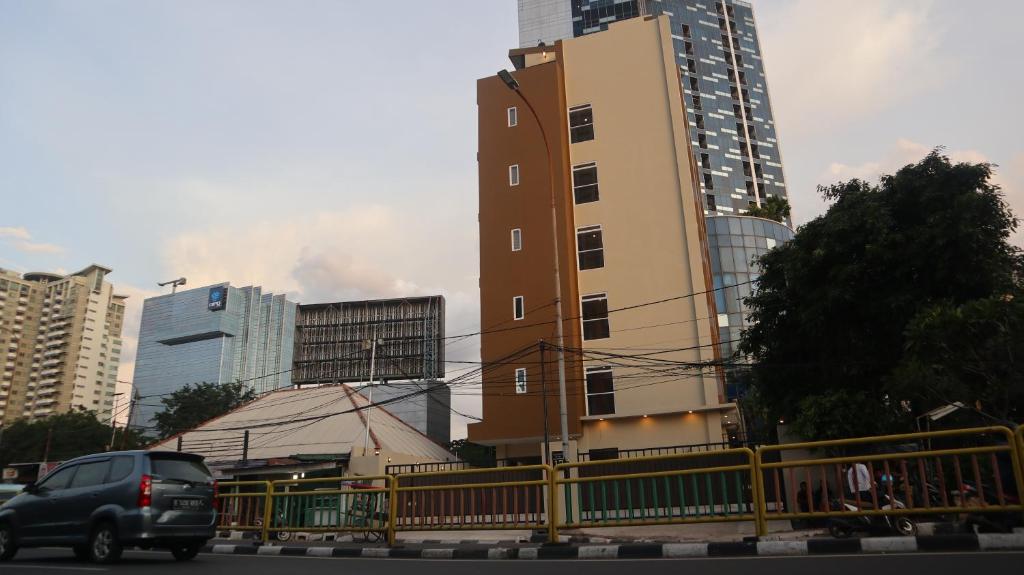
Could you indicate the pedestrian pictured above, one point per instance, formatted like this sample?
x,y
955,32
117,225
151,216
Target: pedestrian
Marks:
x,y
858,479
801,498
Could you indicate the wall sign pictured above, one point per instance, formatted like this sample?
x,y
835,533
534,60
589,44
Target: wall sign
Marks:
x,y
218,299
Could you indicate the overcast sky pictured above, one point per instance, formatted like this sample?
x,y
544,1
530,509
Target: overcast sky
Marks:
x,y
327,148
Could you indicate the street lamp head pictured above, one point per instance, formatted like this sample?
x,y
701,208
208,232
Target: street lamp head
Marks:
x,y
509,80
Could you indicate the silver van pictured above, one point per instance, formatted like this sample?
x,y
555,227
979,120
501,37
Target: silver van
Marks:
x,y
99,504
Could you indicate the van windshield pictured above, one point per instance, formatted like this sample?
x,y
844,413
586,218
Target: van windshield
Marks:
x,y
189,470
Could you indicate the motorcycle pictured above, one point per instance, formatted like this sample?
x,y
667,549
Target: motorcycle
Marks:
x,y
843,527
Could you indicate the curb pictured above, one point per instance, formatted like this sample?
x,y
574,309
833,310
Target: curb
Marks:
x,y
882,545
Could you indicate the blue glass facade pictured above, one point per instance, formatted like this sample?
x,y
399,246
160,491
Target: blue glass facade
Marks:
x,y
732,129
733,243
192,336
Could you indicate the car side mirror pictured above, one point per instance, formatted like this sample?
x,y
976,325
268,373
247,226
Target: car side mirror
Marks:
x,y
31,488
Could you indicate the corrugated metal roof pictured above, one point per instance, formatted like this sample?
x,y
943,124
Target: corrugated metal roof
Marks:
x,y
310,421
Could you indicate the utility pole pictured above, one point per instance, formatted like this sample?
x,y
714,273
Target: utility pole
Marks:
x,y
369,408
131,411
560,342
46,450
113,422
544,399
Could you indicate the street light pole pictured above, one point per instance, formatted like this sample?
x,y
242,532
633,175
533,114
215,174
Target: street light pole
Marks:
x,y
562,410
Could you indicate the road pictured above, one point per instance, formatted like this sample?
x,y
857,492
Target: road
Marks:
x,y
56,561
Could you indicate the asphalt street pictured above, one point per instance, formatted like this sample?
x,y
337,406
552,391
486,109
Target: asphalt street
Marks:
x,y
57,561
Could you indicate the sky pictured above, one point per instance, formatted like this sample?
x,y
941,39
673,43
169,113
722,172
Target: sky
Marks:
x,y
326,149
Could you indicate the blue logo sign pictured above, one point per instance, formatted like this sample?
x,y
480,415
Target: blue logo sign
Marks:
x,y
218,299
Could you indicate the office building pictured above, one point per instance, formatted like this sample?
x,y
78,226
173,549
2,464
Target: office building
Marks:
x,y
212,334
61,335
426,406
629,232
717,53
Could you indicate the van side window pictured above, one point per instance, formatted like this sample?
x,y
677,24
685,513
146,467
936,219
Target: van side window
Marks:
x,y
121,466
90,474
60,479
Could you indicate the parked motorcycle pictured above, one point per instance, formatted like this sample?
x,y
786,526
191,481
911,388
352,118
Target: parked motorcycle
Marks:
x,y
843,527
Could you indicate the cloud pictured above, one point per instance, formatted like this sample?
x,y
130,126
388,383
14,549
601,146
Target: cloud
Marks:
x,y
38,248
359,252
129,339
833,63
20,239
18,233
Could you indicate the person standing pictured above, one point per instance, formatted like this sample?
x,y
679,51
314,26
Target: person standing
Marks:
x,y
858,479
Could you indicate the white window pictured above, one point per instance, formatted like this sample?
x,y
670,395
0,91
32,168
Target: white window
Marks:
x,y
517,308
513,175
595,316
600,391
513,117
581,123
520,380
517,240
584,183
590,247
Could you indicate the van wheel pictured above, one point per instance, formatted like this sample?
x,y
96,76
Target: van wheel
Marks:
x,y
103,544
185,552
7,545
81,552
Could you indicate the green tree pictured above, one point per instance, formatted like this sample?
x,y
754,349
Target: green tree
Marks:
x,y
833,306
194,404
472,453
70,435
774,208
967,354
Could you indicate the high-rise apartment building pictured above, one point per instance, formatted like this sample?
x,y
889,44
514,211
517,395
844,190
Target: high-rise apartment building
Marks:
x,y
630,236
212,334
61,335
718,56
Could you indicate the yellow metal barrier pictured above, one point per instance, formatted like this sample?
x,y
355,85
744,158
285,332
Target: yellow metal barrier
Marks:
x,y
330,505
722,486
690,493
492,498
1019,433
241,505
922,481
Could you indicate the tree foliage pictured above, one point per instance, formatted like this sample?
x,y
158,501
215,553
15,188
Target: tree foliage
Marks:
x,y
71,435
967,353
473,453
194,404
845,312
774,208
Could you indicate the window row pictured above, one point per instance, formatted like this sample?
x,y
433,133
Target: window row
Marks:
x,y
593,313
600,389
589,246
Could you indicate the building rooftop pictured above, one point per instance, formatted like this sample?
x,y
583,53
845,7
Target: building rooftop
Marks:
x,y
306,422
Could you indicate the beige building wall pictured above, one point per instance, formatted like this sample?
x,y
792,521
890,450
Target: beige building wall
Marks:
x,y
20,303
70,344
652,237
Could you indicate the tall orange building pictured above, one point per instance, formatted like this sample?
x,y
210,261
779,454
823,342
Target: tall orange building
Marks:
x,y
630,228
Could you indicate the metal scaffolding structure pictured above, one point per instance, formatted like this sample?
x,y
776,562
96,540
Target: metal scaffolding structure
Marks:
x,y
331,340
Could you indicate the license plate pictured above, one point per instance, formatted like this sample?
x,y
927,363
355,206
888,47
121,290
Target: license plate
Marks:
x,y
188,504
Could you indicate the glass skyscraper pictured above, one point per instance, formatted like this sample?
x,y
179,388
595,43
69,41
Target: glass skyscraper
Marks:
x,y
212,334
732,129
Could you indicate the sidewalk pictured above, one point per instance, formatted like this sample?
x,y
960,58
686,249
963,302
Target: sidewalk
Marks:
x,y
748,548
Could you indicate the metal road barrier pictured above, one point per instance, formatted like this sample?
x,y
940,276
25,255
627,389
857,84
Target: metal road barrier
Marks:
x,y
936,473
1019,433
492,498
241,505
700,487
959,473
329,505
